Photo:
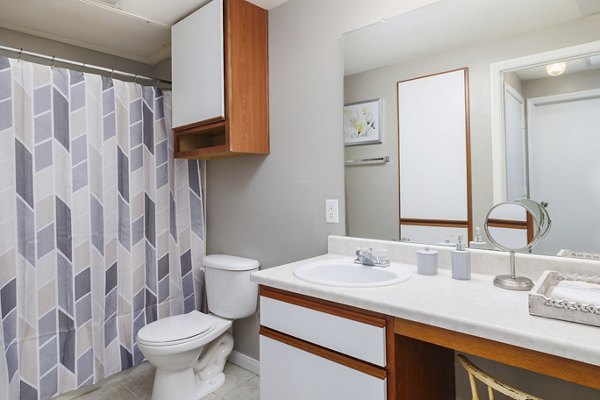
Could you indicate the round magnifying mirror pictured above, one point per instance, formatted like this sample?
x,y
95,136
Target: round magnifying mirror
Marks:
x,y
541,215
516,226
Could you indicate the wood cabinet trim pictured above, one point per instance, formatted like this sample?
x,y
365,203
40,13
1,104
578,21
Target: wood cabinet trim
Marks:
x,y
246,76
434,222
335,309
319,351
508,224
390,362
206,152
199,126
468,156
543,363
423,370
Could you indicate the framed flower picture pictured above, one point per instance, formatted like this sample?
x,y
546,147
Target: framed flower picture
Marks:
x,y
362,122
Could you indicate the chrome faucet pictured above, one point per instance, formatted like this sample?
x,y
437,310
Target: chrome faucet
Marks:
x,y
366,257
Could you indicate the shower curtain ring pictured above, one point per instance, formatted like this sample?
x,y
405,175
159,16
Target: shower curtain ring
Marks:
x,y
20,54
83,67
52,62
112,73
135,79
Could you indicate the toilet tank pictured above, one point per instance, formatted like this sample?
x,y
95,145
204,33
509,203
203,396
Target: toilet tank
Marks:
x,y
229,292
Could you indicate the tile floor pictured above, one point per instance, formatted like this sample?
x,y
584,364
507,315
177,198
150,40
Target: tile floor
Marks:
x,y
136,384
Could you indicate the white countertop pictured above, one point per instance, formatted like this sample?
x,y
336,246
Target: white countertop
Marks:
x,y
475,307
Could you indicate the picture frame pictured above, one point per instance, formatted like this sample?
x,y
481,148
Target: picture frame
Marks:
x,y
362,122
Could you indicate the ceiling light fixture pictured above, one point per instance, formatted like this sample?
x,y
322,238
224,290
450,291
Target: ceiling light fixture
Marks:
x,y
556,69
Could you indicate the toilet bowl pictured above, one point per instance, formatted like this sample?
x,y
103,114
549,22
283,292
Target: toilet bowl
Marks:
x,y
189,350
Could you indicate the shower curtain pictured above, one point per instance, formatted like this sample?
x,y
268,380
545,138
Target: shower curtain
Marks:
x,y
101,230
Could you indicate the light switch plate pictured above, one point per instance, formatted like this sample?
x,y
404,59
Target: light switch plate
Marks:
x,y
331,211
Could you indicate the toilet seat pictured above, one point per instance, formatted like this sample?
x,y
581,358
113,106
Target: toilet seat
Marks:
x,y
176,329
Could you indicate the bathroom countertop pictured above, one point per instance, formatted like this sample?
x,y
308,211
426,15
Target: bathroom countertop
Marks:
x,y
474,307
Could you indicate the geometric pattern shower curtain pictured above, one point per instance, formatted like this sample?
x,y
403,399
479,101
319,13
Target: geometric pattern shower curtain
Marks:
x,y
101,230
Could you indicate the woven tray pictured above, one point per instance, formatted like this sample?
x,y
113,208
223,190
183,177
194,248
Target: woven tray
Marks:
x,y
543,305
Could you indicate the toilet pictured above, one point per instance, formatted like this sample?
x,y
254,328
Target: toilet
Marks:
x,y
189,350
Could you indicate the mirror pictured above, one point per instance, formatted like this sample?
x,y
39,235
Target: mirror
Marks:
x,y
510,158
516,226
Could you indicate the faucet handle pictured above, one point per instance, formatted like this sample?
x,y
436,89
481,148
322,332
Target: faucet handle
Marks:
x,y
381,256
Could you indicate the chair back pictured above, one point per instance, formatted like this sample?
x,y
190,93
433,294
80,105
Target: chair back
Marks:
x,y
492,384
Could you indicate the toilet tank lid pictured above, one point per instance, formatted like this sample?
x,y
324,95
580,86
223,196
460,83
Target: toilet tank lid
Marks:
x,y
231,263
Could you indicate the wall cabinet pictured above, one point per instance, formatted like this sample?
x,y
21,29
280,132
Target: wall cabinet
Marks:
x,y
220,81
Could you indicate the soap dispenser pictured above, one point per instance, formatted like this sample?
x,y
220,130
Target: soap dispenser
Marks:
x,y
477,242
461,261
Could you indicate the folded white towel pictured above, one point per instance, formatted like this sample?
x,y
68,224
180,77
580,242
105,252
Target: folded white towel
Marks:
x,y
582,292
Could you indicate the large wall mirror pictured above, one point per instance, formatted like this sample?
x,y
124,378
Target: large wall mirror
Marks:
x,y
533,90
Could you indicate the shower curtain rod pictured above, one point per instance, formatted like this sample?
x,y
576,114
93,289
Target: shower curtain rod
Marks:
x,y
83,65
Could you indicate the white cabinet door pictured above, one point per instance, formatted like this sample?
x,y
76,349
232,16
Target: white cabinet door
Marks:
x,y
356,339
198,66
289,373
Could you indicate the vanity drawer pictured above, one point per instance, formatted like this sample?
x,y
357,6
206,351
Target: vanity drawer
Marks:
x,y
344,331
290,373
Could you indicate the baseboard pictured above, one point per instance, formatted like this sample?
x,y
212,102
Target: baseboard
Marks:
x,y
244,361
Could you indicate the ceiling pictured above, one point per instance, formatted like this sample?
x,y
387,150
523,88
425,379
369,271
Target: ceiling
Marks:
x,y
584,64
452,24
138,30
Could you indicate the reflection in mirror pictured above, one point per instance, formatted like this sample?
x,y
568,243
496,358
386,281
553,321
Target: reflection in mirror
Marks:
x,y
429,41
550,138
433,136
516,226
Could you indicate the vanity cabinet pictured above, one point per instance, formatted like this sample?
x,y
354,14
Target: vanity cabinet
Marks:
x,y
220,81
313,350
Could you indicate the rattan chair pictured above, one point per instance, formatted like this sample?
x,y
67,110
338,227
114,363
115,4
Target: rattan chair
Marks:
x,y
491,383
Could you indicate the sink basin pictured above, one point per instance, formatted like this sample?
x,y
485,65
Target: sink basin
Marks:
x,y
345,273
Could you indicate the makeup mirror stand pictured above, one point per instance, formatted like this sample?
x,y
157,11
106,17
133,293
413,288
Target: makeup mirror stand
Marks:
x,y
512,281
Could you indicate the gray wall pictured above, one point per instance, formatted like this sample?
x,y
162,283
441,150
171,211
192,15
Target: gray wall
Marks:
x,y
381,82
513,80
273,208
